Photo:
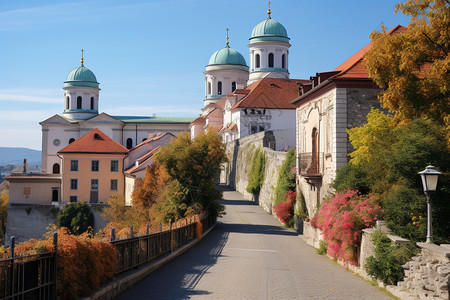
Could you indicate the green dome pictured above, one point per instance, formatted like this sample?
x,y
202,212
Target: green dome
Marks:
x,y
227,56
269,30
81,76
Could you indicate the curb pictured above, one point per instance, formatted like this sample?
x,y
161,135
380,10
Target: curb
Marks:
x,y
127,280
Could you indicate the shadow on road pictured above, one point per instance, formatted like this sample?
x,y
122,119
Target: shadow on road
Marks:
x,y
178,279
236,202
256,229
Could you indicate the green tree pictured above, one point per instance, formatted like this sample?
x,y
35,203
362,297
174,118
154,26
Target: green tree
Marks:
x,y
194,165
413,67
77,217
257,169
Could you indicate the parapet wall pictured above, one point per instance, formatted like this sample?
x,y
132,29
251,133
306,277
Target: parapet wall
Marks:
x,y
240,154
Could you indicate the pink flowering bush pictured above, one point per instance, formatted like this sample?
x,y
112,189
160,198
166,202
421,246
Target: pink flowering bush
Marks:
x,y
342,219
285,210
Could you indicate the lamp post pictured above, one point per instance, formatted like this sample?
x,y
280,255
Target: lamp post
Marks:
x,y
429,181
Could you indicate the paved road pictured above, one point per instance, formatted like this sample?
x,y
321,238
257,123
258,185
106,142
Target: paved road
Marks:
x,y
248,255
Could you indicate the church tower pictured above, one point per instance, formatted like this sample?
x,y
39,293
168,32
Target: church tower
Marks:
x,y
225,72
81,93
269,50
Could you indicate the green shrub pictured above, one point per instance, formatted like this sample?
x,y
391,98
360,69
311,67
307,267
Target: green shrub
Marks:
x,y
286,177
301,211
77,217
322,250
389,257
256,175
351,177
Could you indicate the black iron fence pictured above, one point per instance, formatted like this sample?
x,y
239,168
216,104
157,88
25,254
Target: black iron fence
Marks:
x,y
29,276
34,276
136,250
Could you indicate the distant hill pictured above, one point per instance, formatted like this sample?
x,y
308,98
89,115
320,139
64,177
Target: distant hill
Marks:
x,y
15,156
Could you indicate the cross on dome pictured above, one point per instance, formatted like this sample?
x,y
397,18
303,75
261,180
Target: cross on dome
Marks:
x,y
82,58
228,43
268,11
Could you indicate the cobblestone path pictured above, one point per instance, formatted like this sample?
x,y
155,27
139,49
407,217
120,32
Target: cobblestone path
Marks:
x,y
248,255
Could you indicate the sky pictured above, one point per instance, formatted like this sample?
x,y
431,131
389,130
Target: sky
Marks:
x,y
149,56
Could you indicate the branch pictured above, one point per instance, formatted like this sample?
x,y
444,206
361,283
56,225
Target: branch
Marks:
x,y
443,49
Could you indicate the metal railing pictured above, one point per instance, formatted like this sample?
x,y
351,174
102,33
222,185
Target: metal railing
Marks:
x,y
310,163
29,276
137,250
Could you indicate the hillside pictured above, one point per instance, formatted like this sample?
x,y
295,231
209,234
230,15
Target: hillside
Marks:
x,y
15,156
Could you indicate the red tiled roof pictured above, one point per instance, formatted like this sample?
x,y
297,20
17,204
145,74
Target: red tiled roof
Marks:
x,y
155,138
95,141
271,93
199,121
142,160
229,127
354,67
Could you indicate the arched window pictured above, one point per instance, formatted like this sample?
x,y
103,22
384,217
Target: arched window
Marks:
x,y
92,103
79,102
233,86
283,61
71,140
270,60
257,61
67,102
129,143
209,88
219,88
56,169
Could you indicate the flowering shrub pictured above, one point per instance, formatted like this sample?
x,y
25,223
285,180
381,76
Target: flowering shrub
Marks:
x,y
285,210
342,219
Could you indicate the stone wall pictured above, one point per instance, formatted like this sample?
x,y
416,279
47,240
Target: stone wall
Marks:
x,y
240,154
26,221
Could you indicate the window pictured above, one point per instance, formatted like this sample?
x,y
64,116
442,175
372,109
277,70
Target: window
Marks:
x,y
79,101
67,102
129,143
74,165
209,88
257,61
114,184
270,60
55,195
233,86
94,165
92,103
283,61
73,199
71,140
219,88
143,140
253,129
56,169
114,166
261,128
74,184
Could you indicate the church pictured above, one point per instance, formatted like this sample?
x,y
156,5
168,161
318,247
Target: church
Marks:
x,y
241,100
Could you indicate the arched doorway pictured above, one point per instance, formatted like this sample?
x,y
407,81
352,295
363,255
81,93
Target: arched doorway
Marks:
x,y
315,152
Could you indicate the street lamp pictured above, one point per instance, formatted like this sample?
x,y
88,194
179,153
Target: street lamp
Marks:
x,y
429,181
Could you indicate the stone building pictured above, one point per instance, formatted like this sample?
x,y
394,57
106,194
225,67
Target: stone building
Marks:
x,y
333,102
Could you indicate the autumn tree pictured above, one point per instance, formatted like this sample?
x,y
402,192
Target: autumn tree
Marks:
x,y
194,166
413,67
4,200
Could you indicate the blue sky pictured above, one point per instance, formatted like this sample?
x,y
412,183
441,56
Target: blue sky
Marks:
x,y
149,56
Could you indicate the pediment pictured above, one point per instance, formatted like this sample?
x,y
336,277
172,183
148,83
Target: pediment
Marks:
x,y
103,118
56,120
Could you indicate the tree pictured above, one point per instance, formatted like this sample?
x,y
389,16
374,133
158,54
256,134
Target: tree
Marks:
x,y
77,217
4,200
413,67
148,190
194,165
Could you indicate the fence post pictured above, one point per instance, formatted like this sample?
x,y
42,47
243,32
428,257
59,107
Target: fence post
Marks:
x,y
55,267
113,234
160,227
12,245
148,229
131,230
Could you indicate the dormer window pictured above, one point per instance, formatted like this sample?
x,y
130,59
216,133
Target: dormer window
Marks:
x,y
270,60
79,101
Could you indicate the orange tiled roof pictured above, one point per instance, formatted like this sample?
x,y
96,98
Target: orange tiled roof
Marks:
x,y
142,160
155,138
199,121
95,141
271,93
